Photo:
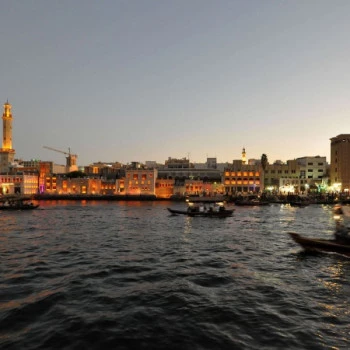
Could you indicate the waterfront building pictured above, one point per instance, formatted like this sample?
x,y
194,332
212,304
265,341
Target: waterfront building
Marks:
x,y
164,188
297,175
241,178
7,153
340,163
108,187
23,184
138,182
74,186
314,168
283,177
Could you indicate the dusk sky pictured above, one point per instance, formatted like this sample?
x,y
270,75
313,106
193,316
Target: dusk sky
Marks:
x,y
148,79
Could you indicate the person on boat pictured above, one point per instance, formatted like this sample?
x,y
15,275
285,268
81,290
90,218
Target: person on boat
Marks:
x,y
342,223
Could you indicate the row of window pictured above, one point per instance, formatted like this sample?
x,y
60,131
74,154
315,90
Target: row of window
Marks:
x,y
242,173
139,176
137,182
293,171
239,182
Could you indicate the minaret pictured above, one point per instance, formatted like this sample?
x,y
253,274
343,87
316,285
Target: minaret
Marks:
x,y
7,127
244,158
7,153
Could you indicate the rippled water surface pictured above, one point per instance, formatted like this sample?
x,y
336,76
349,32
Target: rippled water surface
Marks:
x,y
127,275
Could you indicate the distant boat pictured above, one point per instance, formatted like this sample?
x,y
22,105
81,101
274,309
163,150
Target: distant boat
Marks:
x,y
17,203
204,207
298,201
251,201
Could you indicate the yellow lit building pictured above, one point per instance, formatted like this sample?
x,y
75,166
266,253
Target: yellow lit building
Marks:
x,y
19,184
73,186
138,182
242,178
164,188
7,153
108,187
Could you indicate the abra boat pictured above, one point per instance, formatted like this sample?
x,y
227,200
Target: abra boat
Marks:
x,y
251,201
205,207
318,244
298,201
17,203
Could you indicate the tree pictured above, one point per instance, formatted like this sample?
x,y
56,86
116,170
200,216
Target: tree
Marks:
x,y
264,162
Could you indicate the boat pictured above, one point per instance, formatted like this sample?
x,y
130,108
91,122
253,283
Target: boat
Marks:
x,y
323,245
204,207
251,201
17,203
298,201
299,204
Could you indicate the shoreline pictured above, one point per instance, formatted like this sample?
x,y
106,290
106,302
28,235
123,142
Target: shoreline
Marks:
x,y
104,197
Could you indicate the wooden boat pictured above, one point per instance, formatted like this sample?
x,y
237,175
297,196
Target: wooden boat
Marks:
x,y
299,204
17,203
204,207
251,201
318,244
298,201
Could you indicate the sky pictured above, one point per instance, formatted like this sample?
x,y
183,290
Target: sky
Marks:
x,y
142,80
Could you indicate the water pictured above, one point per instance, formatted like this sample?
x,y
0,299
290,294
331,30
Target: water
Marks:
x,y
127,275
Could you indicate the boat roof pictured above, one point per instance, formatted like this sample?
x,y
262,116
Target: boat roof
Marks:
x,y
205,199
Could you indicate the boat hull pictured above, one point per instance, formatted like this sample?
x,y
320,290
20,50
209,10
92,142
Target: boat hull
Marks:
x,y
316,244
215,214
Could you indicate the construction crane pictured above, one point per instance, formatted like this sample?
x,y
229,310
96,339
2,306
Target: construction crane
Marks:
x,y
71,159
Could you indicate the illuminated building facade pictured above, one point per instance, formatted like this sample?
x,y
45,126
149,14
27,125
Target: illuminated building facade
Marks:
x,y
240,178
73,186
297,175
7,153
285,175
108,187
340,162
18,184
164,188
139,182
